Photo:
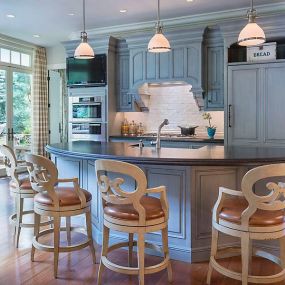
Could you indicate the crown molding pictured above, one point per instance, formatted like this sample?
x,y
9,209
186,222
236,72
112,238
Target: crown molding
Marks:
x,y
16,43
204,19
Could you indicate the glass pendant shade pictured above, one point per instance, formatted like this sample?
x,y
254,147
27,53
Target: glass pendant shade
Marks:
x,y
158,43
251,35
84,50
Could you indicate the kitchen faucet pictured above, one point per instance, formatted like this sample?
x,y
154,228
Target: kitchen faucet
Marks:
x,y
157,142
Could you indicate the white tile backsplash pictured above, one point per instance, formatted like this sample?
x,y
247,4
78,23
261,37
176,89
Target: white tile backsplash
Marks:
x,y
176,104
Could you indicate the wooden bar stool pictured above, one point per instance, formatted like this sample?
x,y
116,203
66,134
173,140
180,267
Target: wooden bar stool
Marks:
x,y
131,212
20,189
55,201
249,216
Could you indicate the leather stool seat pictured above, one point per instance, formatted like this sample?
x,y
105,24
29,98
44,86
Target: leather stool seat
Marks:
x,y
24,184
233,208
67,197
152,205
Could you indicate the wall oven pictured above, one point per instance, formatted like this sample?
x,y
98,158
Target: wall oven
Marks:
x,y
87,131
87,109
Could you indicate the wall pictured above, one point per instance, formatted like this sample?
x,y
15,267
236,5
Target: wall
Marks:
x,y
56,57
176,104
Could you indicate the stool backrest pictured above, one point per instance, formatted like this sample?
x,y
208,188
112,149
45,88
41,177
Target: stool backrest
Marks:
x,y
10,161
274,200
111,192
43,175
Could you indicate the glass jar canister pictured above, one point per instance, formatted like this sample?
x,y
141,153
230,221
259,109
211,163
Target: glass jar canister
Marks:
x,y
132,129
125,128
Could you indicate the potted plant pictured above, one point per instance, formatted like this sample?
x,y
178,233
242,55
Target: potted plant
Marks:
x,y
210,129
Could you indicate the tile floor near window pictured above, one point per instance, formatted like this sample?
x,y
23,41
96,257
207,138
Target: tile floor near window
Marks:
x,y
77,268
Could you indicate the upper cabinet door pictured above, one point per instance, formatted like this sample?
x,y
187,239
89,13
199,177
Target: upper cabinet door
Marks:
x,y
215,78
244,104
274,103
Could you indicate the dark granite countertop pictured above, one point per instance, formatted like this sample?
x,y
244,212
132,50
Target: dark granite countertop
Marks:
x,y
207,155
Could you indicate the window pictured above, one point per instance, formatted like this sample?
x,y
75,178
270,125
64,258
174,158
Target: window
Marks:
x,y
15,57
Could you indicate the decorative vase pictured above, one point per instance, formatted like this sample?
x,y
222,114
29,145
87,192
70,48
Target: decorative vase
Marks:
x,y
211,132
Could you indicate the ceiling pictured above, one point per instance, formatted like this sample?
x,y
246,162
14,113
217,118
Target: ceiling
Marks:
x,y
50,19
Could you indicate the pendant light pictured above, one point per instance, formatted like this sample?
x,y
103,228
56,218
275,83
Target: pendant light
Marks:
x,y
84,50
158,43
252,34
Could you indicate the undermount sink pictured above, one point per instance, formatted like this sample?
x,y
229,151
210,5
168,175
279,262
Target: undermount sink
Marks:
x,y
168,146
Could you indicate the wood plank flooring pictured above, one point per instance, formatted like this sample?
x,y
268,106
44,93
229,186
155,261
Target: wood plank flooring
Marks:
x,y
77,268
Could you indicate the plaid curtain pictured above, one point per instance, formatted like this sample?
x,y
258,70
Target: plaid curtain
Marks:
x,y
40,134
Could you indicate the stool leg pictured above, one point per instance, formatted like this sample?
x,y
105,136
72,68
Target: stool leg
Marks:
x,y
166,253
56,225
131,244
37,220
250,252
245,243
282,251
106,233
89,234
140,253
68,226
214,249
19,205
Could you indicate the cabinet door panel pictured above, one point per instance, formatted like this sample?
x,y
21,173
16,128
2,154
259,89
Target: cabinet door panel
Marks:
x,y
174,180
178,63
245,97
215,78
150,66
274,103
164,67
137,67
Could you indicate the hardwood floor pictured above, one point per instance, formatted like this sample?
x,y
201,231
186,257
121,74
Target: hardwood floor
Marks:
x,y
77,268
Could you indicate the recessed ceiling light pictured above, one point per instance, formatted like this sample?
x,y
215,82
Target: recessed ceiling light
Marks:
x,y
123,11
70,14
36,36
10,16
189,0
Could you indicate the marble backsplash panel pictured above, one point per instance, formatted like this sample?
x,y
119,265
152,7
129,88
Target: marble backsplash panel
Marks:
x,y
176,104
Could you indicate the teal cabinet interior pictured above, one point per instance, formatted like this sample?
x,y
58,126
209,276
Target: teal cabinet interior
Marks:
x,y
213,72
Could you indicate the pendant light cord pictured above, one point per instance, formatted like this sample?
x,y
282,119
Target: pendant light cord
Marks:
x,y
84,16
158,12
251,5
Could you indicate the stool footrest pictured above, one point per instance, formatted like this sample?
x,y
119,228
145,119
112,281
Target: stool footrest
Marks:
x,y
13,220
251,278
50,248
134,270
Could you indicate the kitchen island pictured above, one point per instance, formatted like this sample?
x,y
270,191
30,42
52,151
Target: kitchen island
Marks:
x,y
192,178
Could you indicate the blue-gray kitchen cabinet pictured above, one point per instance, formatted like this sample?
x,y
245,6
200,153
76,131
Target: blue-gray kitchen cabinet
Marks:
x,y
255,103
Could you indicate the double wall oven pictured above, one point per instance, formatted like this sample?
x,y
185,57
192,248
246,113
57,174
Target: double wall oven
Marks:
x,y
87,117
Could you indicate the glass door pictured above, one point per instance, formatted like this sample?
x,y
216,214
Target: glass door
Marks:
x,y
3,105
3,114
21,112
15,111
